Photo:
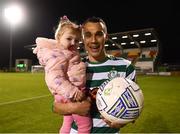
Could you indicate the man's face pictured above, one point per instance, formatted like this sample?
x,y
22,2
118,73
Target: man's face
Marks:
x,y
94,38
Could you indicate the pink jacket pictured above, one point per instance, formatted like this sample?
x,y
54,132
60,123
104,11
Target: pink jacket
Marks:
x,y
64,72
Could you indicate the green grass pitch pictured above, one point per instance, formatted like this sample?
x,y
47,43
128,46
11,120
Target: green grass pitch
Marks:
x,y
25,105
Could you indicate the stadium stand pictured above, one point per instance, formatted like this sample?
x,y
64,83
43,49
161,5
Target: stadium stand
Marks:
x,y
140,46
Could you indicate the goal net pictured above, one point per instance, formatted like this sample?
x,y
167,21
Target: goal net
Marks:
x,y
37,69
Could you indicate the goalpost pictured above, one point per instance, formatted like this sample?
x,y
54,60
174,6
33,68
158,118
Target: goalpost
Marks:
x,y
37,69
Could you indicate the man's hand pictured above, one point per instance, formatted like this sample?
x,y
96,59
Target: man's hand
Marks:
x,y
115,124
79,95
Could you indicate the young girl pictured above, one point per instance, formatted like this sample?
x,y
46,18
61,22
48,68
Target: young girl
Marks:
x,y
65,74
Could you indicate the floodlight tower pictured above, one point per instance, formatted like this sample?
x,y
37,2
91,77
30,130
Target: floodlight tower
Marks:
x,y
14,16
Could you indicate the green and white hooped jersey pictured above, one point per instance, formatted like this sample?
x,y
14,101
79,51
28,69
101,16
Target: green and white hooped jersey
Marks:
x,y
97,73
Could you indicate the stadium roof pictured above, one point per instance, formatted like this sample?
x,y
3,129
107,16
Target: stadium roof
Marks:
x,y
143,38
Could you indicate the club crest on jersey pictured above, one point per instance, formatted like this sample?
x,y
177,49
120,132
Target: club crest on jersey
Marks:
x,y
112,74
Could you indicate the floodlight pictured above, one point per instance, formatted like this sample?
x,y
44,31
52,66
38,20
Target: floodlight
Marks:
x,y
13,14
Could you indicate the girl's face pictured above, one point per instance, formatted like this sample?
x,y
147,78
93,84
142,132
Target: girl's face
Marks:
x,y
69,39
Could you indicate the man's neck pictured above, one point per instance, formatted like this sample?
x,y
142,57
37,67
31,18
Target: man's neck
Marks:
x,y
98,59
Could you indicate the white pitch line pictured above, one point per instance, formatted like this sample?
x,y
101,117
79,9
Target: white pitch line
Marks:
x,y
22,100
38,97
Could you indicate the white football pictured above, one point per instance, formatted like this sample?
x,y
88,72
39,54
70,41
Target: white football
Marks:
x,y
120,100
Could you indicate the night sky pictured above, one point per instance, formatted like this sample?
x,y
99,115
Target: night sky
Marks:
x,y
42,16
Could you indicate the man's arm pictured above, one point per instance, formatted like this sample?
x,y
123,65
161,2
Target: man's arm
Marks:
x,y
80,108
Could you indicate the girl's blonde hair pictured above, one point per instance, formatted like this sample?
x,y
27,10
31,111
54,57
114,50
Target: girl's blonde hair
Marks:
x,y
64,24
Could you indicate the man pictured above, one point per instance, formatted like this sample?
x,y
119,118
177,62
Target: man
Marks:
x,y
100,67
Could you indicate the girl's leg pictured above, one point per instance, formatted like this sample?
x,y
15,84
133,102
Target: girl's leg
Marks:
x,y
84,123
66,126
67,119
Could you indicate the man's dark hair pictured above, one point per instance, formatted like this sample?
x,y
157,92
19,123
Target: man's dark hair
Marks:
x,y
95,20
